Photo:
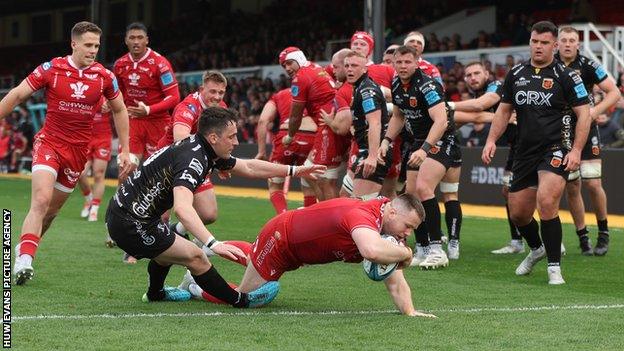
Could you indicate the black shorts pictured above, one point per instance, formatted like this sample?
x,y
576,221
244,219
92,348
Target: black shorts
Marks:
x,y
139,238
510,159
444,151
591,150
525,171
380,171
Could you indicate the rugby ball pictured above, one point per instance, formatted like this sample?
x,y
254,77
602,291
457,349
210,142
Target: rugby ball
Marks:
x,y
377,271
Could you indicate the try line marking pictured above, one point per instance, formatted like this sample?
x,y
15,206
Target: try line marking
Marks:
x,y
314,313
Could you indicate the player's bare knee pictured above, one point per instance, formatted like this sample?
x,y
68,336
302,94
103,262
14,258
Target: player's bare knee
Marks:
x,y
197,262
209,216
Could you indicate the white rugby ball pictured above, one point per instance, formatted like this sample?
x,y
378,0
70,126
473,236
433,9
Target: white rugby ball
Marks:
x,y
377,271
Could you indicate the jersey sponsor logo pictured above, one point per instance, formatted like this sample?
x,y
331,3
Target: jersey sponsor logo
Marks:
x,y
294,90
600,72
166,78
576,78
91,76
71,175
535,98
412,101
580,91
432,97
189,178
368,105
491,88
146,200
79,88
522,82
188,115
46,66
134,79
547,83
37,73
196,165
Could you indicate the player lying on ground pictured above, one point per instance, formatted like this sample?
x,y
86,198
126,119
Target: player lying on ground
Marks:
x,y
336,230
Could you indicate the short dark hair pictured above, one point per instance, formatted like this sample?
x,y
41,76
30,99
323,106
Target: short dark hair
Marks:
x,y
215,120
545,27
136,25
474,63
83,27
404,49
408,202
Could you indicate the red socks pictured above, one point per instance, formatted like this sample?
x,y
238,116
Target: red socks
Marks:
x,y
28,244
278,199
96,202
309,200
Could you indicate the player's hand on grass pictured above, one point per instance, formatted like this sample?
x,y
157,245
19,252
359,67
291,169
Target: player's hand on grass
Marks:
x,y
228,251
310,172
488,152
572,160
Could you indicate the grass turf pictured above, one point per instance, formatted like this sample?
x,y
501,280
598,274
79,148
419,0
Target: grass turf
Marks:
x,y
478,299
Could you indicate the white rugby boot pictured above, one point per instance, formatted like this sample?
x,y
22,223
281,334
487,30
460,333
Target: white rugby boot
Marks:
x,y
526,266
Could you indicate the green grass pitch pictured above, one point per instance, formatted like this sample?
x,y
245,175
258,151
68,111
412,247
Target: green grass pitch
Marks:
x,y
84,298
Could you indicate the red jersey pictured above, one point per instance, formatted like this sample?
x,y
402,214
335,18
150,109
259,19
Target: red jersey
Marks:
x,y
381,74
149,80
431,70
344,96
73,96
322,233
313,87
101,125
282,100
187,113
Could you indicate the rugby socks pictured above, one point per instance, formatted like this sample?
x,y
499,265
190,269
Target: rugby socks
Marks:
x,y
309,200
552,235
214,284
95,205
603,227
530,233
513,230
157,275
432,220
87,194
422,235
179,228
582,233
453,217
278,199
28,244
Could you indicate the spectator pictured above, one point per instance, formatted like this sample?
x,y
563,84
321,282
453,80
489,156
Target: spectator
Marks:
x,y
611,134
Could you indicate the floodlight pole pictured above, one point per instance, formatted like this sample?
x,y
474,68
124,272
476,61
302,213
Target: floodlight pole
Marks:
x,y
375,23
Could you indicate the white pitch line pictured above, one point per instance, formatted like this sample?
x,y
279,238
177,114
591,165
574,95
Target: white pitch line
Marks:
x,y
314,313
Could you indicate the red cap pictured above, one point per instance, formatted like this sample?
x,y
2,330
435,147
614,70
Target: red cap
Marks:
x,y
366,37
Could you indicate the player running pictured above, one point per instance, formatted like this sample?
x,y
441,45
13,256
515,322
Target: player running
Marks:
x,y
74,87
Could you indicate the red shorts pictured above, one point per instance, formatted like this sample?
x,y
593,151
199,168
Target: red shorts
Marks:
x,y
205,185
62,159
270,254
329,148
100,147
296,153
145,134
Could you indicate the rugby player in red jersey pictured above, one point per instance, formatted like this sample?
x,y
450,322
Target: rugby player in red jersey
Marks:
x,y
184,123
150,91
313,89
74,87
98,157
341,229
295,154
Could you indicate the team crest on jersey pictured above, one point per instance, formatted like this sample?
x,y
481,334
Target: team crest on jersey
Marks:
x,y
595,150
547,83
555,162
79,88
134,79
434,150
412,101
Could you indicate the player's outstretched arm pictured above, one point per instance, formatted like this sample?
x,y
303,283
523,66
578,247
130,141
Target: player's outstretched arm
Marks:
x,y
263,169
15,97
479,104
401,295
183,209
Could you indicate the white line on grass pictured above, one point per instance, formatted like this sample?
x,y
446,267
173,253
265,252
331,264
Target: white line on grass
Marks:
x,y
314,313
